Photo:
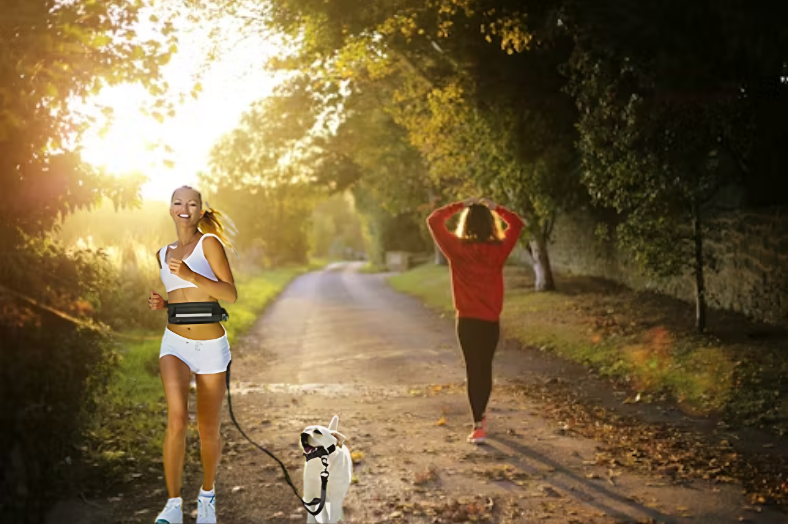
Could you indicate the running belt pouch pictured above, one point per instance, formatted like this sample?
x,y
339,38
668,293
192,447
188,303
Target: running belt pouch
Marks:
x,y
196,313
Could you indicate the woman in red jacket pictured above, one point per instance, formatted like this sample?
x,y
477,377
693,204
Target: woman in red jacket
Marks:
x,y
476,254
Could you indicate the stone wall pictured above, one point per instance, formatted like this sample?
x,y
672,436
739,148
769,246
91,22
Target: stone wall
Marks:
x,y
751,252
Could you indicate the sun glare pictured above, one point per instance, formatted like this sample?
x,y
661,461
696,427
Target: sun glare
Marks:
x,y
172,152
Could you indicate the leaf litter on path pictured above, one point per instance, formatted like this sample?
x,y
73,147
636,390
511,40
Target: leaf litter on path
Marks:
x,y
662,449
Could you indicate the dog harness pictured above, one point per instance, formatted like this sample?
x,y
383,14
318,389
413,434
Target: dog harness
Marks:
x,y
323,453
320,452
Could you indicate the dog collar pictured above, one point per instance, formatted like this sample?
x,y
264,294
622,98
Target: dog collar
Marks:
x,y
320,452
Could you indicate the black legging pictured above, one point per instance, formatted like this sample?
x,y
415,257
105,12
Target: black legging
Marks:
x,y
478,340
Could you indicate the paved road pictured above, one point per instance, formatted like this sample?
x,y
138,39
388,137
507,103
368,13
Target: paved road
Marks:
x,y
340,326
339,341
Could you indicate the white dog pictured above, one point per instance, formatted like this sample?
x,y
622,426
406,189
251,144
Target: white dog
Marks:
x,y
340,468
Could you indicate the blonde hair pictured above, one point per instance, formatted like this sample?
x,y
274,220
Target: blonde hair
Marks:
x,y
214,222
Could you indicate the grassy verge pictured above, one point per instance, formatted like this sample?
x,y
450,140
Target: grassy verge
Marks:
x,y
737,368
127,433
369,267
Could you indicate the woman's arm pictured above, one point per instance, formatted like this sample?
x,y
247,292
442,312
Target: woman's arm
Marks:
x,y
446,240
224,288
515,227
156,301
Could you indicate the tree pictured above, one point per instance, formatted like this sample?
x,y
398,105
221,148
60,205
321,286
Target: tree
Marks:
x,y
51,367
369,154
336,229
273,222
484,118
51,53
667,97
258,174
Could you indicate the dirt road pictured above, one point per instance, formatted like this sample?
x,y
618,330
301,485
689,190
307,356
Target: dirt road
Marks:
x,y
342,342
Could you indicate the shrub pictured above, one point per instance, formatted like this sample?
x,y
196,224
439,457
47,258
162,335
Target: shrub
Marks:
x,y
52,371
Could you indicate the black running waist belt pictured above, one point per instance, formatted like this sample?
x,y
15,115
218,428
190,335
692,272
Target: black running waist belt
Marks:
x,y
196,313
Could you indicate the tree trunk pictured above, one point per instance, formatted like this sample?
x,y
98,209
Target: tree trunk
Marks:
x,y
440,258
540,261
700,283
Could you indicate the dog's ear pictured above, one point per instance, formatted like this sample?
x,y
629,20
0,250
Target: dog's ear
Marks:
x,y
334,424
340,438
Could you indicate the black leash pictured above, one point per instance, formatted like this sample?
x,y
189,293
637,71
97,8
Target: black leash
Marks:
x,y
320,452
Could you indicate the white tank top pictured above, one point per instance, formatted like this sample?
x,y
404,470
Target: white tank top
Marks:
x,y
196,262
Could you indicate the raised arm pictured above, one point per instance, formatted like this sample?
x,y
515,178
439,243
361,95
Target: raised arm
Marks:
x,y
446,240
515,227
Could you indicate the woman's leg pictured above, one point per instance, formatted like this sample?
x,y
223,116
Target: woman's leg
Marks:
x,y
478,340
210,396
175,378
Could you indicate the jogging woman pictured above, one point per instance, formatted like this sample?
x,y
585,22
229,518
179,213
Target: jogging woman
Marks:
x,y
476,254
193,269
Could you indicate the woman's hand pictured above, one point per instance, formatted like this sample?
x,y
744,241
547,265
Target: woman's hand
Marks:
x,y
155,301
468,202
181,270
489,203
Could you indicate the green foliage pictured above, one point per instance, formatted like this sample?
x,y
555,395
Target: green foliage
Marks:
x,y
53,53
50,54
668,121
336,229
124,244
150,224
273,222
385,231
370,153
258,174
51,371
481,119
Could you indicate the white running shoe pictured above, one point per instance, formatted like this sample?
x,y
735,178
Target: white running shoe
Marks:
x,y
206,509
173,512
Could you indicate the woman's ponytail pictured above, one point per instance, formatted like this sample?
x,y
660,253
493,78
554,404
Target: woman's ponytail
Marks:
x,y
219,224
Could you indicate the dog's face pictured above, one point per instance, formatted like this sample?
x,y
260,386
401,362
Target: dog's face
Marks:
x,y
314,437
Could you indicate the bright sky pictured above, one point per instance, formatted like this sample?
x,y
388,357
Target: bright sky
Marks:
x,y
229,86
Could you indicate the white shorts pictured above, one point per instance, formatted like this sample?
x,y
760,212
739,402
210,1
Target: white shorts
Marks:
x,y
204,357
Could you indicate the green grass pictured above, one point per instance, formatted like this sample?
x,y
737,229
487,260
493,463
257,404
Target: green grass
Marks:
x,y
132,416
370,268
645,340
429,282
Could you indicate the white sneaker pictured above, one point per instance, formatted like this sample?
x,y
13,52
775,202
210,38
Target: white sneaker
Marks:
x,y
172,514
206,509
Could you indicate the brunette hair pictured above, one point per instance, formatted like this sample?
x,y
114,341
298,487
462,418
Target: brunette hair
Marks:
x,y
479,224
